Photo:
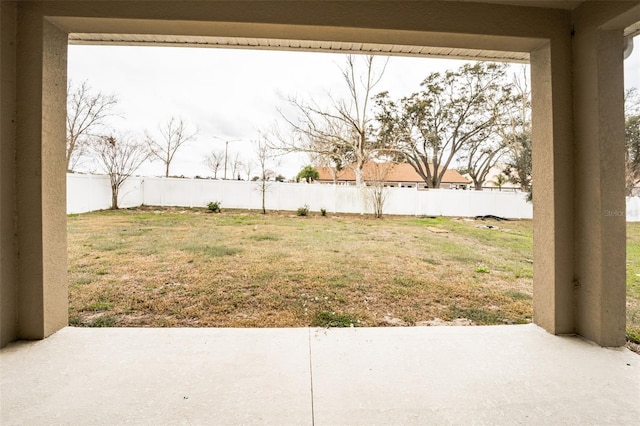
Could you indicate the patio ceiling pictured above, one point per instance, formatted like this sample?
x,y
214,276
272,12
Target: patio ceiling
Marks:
x,y
332,46
301,45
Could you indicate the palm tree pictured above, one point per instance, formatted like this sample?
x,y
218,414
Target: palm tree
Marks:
x,y
500,180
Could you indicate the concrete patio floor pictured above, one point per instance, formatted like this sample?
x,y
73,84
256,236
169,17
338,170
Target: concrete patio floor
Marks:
x,y
414,375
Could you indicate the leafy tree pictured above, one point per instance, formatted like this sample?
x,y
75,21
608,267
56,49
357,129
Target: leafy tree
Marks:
x,y
519,167
86,113
119,157
515,131
341,135
214,161
308,174
632,139
173,135
452,113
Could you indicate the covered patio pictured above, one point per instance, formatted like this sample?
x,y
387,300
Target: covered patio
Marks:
x,y
409,376
550,372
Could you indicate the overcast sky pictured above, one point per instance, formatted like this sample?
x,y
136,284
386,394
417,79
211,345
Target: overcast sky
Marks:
x,y
232,94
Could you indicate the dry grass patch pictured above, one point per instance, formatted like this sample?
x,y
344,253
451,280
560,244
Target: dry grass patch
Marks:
x,y
184,267
161,267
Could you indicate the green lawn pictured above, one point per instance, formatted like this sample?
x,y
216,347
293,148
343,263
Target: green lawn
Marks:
x,y
187,267
633,281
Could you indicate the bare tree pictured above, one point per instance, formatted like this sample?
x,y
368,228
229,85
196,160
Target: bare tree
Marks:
x,y
247,168
342,132
236,164
265,156
430,127
480,156
86,112
214,161
119,157
173,134
376,189
333,158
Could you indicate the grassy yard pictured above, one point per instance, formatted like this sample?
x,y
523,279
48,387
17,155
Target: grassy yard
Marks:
x,y
189,268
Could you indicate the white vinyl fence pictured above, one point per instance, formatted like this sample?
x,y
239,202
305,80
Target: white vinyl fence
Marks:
x,y
92,192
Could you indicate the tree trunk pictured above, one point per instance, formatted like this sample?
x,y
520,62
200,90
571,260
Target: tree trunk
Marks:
x,y
166,172
477,185
114,197
358,173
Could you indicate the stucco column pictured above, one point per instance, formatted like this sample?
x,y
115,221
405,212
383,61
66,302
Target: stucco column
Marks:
x,y
553,233
8,250
600,186
42,301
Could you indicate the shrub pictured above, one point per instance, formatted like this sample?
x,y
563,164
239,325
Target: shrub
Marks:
x,y
482,269
323,212
303,211
214,206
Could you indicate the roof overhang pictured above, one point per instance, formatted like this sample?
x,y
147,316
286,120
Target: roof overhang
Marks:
x,y
294,45
241,33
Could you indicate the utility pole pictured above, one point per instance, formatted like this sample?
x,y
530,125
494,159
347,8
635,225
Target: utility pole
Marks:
x,y
226,151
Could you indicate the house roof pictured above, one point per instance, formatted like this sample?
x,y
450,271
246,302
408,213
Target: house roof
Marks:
x,y
398,172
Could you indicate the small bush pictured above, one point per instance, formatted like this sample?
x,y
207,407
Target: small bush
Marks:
x,y
303,211
482,269
323,212
214,206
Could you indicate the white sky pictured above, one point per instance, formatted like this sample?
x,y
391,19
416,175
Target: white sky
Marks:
x,y
232,94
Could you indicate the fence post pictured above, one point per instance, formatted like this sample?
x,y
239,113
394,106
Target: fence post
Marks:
x,y
191,192
142,199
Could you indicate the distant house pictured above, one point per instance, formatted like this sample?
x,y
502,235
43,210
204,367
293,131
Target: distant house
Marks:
x,y
490,180
400,175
